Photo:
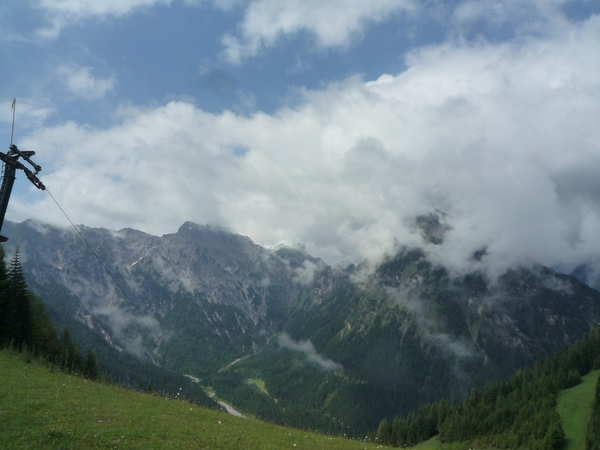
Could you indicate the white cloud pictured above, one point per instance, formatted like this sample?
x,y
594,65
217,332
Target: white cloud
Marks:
x,y
305,273
80,82
502,11
225,5
64,12
333,23
128,329
309,350
90,8
504,138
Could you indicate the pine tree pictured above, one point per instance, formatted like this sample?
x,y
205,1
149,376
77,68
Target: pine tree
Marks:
x,y
384,432
19,305
5,305
45,336
70,355
555,438
91,369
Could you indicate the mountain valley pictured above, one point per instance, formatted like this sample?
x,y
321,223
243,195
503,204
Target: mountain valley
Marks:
x,y
287,338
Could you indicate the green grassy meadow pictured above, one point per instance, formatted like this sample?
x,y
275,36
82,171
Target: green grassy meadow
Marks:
x,y
430,444
45,409
260,384
574,409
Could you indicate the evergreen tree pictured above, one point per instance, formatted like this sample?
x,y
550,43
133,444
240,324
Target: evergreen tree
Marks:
x,y
384,432
555,438
44,334
5,305
91,369
19,306
71,360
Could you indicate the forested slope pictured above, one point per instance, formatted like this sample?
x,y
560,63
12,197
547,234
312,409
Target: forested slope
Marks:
x,y
517,413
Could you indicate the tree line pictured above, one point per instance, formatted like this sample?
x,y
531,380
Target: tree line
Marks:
x,y
517,413
25,325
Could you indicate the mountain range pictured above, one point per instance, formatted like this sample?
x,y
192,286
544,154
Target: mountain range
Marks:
x,y
287,338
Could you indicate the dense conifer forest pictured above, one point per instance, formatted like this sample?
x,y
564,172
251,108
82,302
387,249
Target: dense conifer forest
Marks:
x,y
517,413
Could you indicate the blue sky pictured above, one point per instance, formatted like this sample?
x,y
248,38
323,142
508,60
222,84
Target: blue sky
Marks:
x,y
330,124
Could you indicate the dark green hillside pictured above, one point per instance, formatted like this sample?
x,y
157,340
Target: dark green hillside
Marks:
x,y
200,348
298,392
518,413
44,409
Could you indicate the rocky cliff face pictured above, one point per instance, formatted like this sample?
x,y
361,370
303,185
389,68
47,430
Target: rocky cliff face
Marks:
x,y
141,292
522,316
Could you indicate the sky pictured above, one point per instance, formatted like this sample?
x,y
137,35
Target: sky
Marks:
x,y
326,125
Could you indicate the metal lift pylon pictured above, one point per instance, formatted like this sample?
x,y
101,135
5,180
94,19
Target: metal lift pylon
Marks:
x,y
10,163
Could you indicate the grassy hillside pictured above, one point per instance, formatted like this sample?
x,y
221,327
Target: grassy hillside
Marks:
x,y
574,409
44,409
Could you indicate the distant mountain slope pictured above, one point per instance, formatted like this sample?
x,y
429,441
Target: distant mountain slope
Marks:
x,y
191,301
412,334
318,348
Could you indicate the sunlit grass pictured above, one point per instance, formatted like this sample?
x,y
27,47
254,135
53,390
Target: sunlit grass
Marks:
x,y
45,409
260,384
574,409
430,444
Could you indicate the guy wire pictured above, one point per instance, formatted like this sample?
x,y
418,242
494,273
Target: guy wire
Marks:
x,y
100,260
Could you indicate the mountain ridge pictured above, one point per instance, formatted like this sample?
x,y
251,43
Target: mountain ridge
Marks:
x,y
409,333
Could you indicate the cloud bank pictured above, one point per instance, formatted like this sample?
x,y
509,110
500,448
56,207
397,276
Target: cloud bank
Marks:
x,y
138,334
503,138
